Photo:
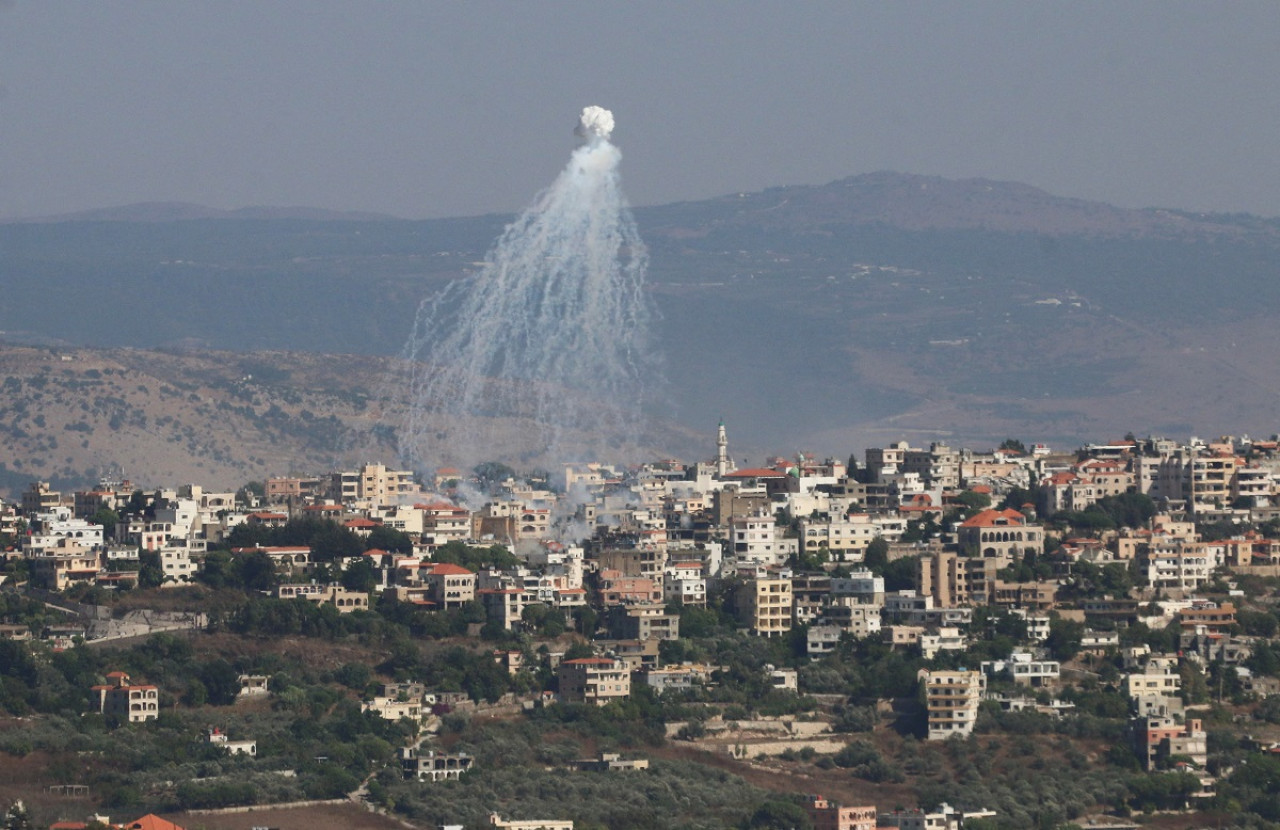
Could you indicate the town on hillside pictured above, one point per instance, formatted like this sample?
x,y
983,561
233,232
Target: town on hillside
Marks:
x,y
921,637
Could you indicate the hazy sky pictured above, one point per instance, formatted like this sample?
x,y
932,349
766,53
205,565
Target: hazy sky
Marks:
x,y
436,109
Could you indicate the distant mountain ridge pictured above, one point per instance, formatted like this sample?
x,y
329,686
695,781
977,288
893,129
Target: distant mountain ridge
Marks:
x,y
185,211
900,200
915,202
874,308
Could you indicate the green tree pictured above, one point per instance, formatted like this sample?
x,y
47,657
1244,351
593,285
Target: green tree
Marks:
x,y
492,473
108,518
252,493
902,574
389,539
17,817
360,575
1064,638
876,557
475,558
1017,497
974,503
256,571
779,815
150,573
1128,509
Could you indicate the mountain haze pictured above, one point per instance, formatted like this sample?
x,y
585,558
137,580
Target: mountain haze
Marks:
x,y
877,307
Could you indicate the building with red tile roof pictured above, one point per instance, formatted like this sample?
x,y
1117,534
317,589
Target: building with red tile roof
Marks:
x,y
449,585
120,698
151,822
1000,534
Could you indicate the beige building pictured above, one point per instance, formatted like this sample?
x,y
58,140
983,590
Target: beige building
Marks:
x,y
643,622
952,699
1176,565
39,498
344,600
765,606
953,580
443,523
846,537
595,680
505,605
177,566
64,563
938,466
372,484
449,585
1000,534
392,708
122,699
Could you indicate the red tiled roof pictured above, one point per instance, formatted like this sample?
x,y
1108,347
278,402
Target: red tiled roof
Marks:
x,y
992,518
361,522
589,661
152,822
447,569
440,505
756,472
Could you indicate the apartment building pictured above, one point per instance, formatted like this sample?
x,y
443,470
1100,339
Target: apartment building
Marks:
x,y
1161,737
595,680
1022,667
845,538
1175,565
952,699
372,484
765,606
120,698
643,622
756,540
63,564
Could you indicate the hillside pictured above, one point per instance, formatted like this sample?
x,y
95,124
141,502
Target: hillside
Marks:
x,y
221,419
869,309
167,417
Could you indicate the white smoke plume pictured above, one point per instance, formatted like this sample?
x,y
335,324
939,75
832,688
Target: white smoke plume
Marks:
x,y
545,349
595,123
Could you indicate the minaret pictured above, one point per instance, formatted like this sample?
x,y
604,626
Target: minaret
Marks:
x,y
722,452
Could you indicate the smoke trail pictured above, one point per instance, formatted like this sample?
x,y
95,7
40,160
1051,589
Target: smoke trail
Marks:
x,y
543,353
